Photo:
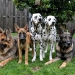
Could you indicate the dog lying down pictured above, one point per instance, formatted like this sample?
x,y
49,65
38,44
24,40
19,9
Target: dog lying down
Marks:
x,y
65,49
8,47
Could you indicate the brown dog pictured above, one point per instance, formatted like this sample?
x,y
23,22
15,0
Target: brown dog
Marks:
x,y
8,47
24,42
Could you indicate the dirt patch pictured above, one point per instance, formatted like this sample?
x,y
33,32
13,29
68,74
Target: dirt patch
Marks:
x,y
36,68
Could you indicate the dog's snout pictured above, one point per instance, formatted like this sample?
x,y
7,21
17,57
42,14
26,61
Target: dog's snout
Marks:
x,y
4,45
69,43
1,45
22,36
22,41
40,19
53,23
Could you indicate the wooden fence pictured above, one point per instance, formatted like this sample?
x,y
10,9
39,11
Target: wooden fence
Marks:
x,y
10,15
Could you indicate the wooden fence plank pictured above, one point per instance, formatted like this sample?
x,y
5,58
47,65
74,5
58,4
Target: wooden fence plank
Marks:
x,y
16,15
21,19
1,13
0,8
6,13
11,15
25,14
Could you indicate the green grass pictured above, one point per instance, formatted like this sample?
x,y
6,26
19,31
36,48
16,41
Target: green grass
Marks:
x,y
13,68
14,34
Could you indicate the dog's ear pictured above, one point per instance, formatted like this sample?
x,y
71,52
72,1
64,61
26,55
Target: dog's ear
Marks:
x,y
31,19
61,29
26,27
45,20
7,32
1,30
72,32
16,27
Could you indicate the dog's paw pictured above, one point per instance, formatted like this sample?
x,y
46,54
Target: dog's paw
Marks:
x,y
53,51
63,65
26,63
50,58
49,62
41,59
33,60
1,65
46,63
30,49
45,51
19,61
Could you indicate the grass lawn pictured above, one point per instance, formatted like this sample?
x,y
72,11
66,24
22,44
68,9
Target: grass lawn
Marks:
x,y
38,67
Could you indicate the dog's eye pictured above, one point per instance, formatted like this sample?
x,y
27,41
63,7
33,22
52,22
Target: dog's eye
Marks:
x,y
64,37
49,19
24,35
2,39
61,37
54,19
35,17
19,34
40,16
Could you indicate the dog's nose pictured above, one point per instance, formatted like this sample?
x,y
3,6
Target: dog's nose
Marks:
x,y
1,46
69,43
53,23
22,41
4,45
21,36
40,19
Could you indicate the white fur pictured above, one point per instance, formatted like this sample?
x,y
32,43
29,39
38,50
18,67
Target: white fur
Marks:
x,y
35,18
49,20
37,36
49,34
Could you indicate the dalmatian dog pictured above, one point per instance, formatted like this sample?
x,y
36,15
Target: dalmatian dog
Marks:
x,y
49,34
36,31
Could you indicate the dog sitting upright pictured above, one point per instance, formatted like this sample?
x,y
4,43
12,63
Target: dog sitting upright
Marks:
x,y
8,47
64,49
24,42
49,34
36,30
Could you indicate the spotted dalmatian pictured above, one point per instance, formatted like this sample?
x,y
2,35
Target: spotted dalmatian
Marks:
x,y
36,30
49,34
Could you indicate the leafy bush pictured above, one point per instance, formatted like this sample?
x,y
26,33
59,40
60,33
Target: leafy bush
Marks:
x,y
62,9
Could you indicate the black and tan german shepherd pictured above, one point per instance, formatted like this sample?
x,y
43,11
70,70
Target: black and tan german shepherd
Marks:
x,y
64,49
8,47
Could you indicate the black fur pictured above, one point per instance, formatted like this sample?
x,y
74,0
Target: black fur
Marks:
x,y
65,43
22,37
